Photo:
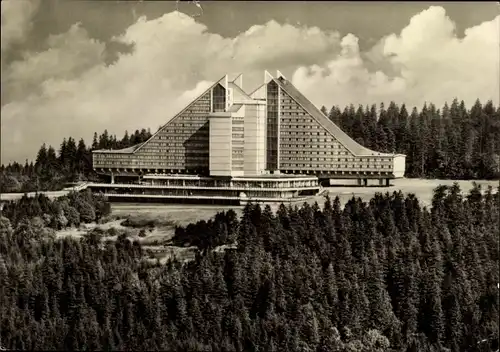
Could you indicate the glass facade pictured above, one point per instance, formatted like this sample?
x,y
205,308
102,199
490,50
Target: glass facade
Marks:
x,y
219,99
272,138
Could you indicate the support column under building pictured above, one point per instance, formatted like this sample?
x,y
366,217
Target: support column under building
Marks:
x,y
112,178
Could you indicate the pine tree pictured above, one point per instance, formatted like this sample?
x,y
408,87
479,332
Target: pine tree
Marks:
x,y
381,138
95,142
358,131
454,329
401,134
390,119
104,140
370,119
41,158
382,316
143,135
335,115
71,151
81,156
63,155
126,140
52,162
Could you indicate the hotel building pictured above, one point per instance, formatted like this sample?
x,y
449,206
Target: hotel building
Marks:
x,y
271,144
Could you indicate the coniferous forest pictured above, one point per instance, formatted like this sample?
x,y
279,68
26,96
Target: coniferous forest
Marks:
x,y
71,163
453,142
383,275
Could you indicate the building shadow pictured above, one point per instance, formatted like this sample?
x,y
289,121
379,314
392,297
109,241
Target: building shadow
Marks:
x,y
196,151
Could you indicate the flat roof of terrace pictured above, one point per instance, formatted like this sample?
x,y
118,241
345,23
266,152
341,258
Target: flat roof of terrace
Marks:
x,y
274,177
177,176
271,177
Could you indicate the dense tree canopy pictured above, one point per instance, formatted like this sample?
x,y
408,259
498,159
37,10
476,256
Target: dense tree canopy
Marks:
x,y
451,143
383,275
72,162
76,208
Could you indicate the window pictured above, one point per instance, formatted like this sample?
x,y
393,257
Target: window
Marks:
x,y
219,98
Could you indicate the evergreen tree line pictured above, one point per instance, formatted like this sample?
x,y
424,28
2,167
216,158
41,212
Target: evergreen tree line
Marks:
x,y
383,275
71,163
449,143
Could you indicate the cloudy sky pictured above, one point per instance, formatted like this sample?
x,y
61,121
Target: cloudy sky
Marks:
x,y
70,68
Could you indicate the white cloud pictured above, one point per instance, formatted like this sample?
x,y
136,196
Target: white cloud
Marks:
x,y
68,56
274,44
431,62
16,20
68,90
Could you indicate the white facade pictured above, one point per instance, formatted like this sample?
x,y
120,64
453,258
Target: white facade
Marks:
x,y
237,141
255,139
399,161
220,144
